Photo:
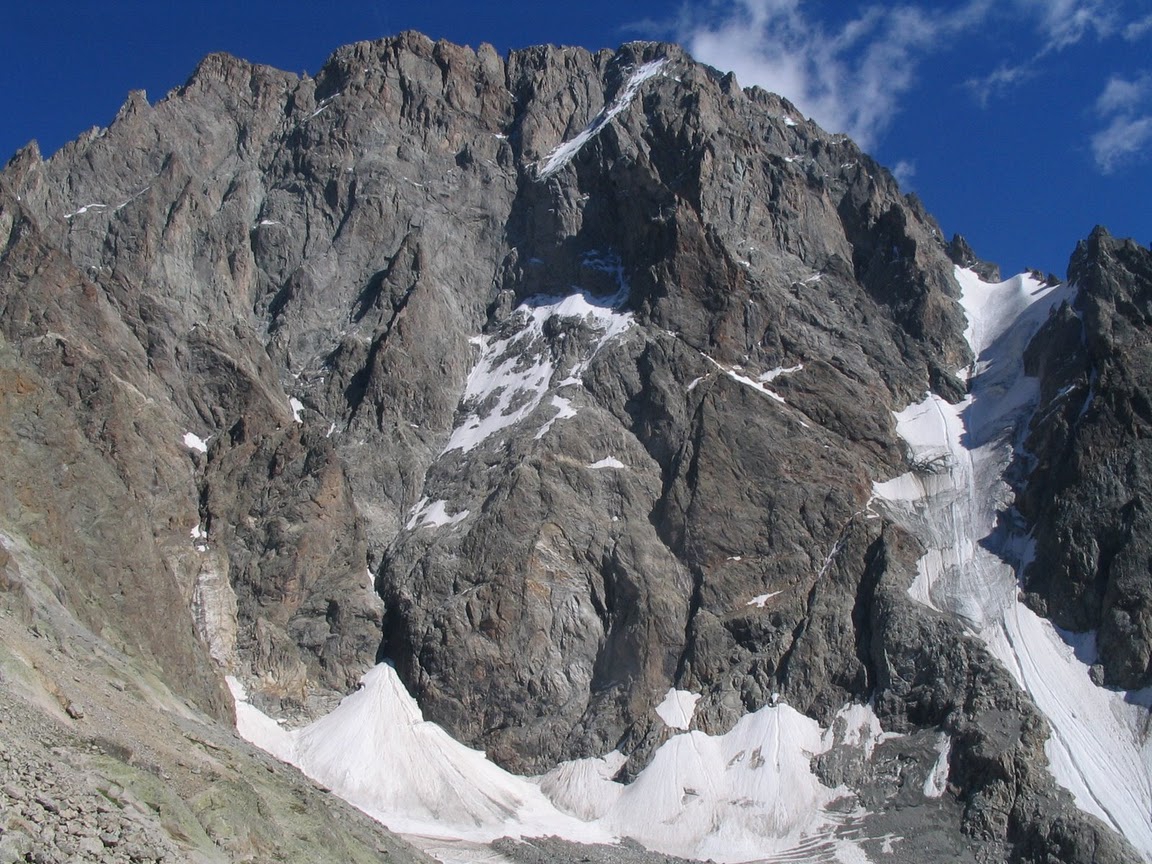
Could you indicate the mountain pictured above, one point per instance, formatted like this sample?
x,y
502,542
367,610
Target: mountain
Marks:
x,y
645,435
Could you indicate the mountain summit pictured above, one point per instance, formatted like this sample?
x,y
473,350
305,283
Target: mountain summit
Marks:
x,y
645,435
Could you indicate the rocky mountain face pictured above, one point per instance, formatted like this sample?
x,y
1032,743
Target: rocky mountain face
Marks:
x,y
559,381
1086,491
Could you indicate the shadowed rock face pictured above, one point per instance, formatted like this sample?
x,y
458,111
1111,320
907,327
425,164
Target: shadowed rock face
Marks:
x,y
1089,489
595,422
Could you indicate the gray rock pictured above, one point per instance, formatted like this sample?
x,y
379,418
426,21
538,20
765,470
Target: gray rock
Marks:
x,y
240,328
1090,460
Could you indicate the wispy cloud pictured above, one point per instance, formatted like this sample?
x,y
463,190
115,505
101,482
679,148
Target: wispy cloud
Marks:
x,y
1120,95
1136,30
850,69
1063,23
999,80
1126,105
1059,24
904,171
1124,138
849,76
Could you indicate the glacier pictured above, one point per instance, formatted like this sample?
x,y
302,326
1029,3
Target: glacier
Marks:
x,y
953,501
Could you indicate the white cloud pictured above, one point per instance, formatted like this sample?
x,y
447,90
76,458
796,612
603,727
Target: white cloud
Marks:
x,y
1125,137
1059,24
1123,96
1124,104
851,72
904,171
849,77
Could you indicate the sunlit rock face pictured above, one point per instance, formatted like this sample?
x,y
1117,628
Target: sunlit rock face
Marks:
x,y
564,382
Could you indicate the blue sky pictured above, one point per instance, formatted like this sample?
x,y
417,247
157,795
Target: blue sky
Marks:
x,y
1020,123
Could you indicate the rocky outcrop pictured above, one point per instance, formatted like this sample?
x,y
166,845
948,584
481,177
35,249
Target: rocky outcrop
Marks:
x,y
586,362
1090,460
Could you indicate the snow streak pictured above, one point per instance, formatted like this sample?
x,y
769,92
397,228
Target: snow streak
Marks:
x,y
564,153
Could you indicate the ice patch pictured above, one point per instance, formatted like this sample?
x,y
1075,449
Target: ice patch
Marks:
x,y
742,796
297,407
258,728
195,442
747,795
677,708
564,153
584,787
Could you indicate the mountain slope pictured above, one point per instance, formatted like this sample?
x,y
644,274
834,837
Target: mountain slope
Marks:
x,y
588,362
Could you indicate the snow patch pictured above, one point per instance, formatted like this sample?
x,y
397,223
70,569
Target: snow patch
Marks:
x,y
195,442
607,462
677,708
732,373
564,410
936,783
434,515
297,407
773,374
760,600
514,373
856,725
85,209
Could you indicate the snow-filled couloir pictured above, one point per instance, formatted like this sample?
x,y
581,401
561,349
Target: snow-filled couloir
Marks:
x,y
954,501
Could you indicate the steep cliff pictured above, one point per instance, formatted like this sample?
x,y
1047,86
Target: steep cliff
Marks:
x,y
560,381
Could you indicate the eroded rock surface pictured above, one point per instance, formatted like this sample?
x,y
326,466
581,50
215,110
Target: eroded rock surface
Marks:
x,y
559,380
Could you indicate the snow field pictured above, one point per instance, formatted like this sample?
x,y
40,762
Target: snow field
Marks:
x,y
677,708
747,795
432,515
